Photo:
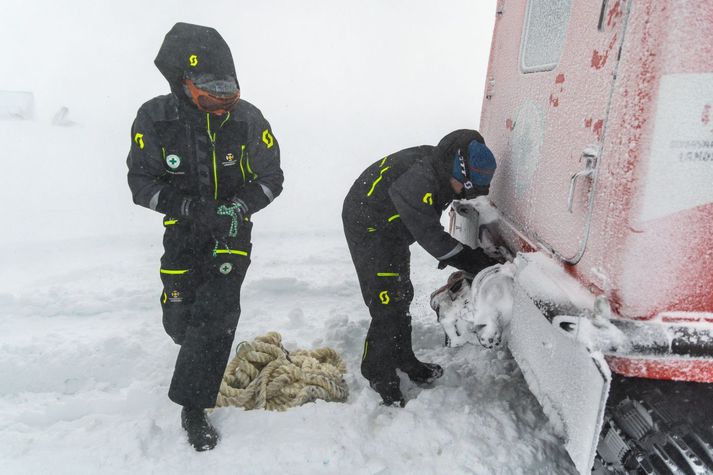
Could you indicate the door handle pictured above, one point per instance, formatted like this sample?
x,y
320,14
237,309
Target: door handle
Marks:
x,y
590,155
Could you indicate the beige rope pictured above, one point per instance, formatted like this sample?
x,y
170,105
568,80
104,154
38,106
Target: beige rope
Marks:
x,y
263,375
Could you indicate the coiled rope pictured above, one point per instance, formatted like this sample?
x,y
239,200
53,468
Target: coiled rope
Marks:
x,y
263,375
232,212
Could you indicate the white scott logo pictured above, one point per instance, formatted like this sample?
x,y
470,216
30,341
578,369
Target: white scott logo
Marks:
x,y
173,161
226,268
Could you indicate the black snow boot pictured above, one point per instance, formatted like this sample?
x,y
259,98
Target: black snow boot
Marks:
x,y
378,366
420,372
417,371
201,434
389,391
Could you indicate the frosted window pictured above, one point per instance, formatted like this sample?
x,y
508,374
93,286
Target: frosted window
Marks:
x,y
543,36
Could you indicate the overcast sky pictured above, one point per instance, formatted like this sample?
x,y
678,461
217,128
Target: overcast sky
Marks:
x,y
342,83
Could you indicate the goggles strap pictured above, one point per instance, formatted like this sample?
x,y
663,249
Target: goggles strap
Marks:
x,y
467,183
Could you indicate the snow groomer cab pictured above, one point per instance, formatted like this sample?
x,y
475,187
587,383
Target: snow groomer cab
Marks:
x,y
600,115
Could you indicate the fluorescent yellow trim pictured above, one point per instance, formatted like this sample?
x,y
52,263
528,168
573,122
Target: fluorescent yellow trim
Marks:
x,y
212,136
174,271
396,216
387,274
170,222
230,251
165,297
247,164
226,120
373,185
366,349
242,170
215,175
376,182
383,161
371,230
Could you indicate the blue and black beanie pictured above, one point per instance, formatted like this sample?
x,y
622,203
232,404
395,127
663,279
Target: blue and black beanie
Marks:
x,y
480,162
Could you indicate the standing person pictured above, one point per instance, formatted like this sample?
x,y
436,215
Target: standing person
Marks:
x,y
395,202
207,160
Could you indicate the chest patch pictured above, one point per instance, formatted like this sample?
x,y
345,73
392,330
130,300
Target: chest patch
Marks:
x,y
229,160
173,161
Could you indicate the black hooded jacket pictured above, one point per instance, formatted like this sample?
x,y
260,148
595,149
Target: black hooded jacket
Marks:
x,y
401,197
178,151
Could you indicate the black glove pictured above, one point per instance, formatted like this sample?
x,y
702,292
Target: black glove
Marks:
x,y
470,260
173,203
221,218
205,214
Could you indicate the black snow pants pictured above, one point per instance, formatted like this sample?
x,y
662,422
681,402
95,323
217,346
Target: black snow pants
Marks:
x,y
201,306
383,268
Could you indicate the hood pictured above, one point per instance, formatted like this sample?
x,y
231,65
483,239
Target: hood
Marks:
x,y
192,50
446,149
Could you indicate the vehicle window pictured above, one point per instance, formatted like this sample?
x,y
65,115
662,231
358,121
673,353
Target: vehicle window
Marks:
x,y
543,35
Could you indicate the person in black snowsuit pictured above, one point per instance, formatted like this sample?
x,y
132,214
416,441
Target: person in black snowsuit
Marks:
x,y
395,202
207,160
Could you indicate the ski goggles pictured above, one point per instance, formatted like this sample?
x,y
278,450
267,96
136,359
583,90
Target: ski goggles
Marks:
x,y
213,96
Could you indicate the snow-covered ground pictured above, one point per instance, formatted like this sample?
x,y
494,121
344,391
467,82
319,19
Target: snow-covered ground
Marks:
x,y
86,366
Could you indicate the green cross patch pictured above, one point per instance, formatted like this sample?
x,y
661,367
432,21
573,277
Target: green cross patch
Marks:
x,y
173,161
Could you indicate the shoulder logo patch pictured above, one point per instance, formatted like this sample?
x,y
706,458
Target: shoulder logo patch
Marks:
x,y
139,140
193,60
428,199
268,139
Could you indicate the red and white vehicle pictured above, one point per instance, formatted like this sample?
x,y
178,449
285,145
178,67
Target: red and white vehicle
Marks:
x,y
600,114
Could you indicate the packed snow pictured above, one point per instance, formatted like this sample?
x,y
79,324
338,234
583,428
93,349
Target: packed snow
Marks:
x,y
86,367
84,362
